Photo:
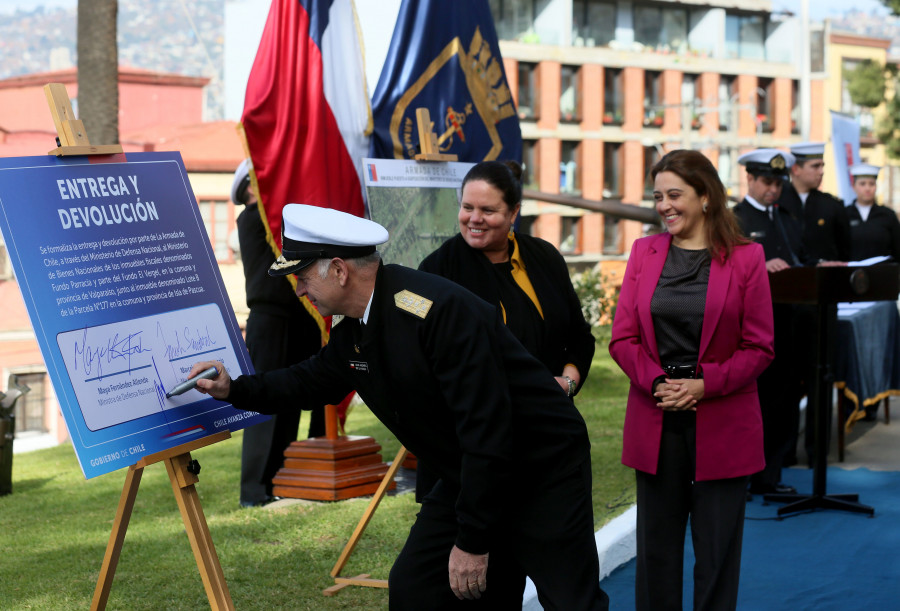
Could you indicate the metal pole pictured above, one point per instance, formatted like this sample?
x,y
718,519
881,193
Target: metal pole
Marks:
x,y
610,207
805,94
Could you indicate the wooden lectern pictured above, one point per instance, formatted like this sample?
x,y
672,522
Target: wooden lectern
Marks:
x,y
823,287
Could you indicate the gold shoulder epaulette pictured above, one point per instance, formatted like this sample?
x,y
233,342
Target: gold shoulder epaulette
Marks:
x,y
412,303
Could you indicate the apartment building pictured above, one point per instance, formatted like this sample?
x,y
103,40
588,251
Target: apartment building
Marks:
x,y
604,87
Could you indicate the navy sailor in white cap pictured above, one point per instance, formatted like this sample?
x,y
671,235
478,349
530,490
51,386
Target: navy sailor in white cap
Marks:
x,y
763,221
875,230
440,369
822,218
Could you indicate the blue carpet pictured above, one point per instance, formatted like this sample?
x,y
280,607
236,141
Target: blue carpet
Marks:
x,y
820,560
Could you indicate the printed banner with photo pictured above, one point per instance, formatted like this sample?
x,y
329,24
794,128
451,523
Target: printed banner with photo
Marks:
x,y
124,294
417,202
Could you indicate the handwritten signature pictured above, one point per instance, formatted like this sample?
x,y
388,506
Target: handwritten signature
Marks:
x,y
186,342
94,355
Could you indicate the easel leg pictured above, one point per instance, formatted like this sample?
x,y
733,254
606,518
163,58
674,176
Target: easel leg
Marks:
x,y
367,516
198,532
116,538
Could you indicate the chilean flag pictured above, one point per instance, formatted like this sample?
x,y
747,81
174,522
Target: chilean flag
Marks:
x,y
307,117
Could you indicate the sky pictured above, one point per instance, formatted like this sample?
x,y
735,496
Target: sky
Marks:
x,y
819,9
9,6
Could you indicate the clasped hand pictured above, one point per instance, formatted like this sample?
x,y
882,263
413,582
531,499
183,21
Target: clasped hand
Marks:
x,y
679,394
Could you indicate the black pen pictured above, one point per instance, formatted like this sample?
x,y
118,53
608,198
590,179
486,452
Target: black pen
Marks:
x,y
189,384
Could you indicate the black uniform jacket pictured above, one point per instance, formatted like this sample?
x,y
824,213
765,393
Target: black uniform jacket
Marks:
x,y
824,223
777,241
439,368
878,235
567,336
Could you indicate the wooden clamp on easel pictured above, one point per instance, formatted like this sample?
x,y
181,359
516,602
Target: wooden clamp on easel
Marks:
x,y
73,140
428,145
72,137
428,140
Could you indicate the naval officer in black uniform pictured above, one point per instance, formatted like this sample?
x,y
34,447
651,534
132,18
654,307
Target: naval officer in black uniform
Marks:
x,y
874,229
821,216
440,369
763,221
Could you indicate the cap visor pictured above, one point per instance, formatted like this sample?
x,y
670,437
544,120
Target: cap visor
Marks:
x,y
283,267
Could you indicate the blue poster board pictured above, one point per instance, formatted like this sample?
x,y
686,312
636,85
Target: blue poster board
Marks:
x,y
124,295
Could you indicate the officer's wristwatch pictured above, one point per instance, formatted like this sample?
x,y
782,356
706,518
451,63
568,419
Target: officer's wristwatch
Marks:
x,y
572,385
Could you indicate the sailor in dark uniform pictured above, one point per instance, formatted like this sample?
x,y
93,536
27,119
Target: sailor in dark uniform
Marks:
x,y
825,228
440,369
279,332
874,229
821,216
763,221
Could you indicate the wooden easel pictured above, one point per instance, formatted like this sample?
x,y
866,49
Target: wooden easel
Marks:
x,y
183,474
73,140
362,580
428,144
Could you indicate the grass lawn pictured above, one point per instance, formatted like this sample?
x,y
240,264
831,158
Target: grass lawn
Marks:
x,y
55,526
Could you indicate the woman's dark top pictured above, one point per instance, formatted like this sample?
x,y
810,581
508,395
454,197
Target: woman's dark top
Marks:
x,y
564,337
678,304
522,316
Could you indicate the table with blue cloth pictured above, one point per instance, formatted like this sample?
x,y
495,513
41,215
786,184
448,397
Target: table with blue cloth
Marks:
x,y
867,361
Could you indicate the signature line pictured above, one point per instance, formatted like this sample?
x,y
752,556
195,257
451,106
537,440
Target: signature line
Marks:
x,y
109,375
190,356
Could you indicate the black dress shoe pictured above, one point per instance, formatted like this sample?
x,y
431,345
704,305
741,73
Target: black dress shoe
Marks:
x,y
778,488
261,502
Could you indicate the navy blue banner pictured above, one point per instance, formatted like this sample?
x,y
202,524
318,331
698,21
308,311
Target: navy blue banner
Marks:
x,y
445,57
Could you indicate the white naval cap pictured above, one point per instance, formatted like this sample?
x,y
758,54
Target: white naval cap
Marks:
x,y
310,233
804,151
241,182
864,169
767,162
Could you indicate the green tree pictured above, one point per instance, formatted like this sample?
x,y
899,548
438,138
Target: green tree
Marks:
x,y
866,84
98,70
888,127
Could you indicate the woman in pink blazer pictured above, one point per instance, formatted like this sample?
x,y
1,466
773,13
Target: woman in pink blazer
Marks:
x,y
693,330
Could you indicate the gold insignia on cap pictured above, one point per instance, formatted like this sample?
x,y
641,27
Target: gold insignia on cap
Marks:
x,y
821,222
777,162
412,303
281,263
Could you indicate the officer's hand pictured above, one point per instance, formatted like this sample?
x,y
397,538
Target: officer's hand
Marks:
x,y
468,574
219,386
776,265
